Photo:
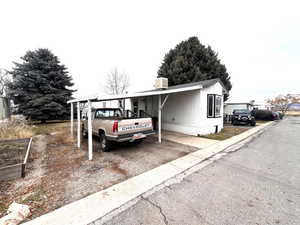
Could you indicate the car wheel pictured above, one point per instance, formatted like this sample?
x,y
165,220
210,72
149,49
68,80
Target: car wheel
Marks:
x,y
253,124
105,144
234,123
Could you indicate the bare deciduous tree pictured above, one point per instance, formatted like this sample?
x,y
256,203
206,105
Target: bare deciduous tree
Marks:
x,y
116,83
282,102
4,80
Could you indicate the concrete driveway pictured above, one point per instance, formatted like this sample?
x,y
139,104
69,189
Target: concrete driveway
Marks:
x,y
259,185
189,140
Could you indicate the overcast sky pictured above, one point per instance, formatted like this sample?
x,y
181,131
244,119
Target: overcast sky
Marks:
x,y
258,41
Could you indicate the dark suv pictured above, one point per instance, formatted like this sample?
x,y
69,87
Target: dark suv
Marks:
x,y
242,116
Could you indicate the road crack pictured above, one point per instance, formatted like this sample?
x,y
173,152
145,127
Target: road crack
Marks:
x,y
159,208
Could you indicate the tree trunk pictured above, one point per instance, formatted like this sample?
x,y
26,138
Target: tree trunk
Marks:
x,y
43,121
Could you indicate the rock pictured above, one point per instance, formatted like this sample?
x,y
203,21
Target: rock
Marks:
x,y
16,214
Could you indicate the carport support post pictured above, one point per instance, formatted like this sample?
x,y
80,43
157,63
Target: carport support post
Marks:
x,y
72,120
78,124
90,141
159,118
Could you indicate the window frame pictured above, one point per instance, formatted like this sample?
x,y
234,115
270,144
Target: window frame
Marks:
x,y
208,106
219,96
214,97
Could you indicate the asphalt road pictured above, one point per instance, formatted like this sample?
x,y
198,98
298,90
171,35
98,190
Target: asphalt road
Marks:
x,y
258,184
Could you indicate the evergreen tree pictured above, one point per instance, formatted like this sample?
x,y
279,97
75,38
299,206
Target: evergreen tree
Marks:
x,y
190,61
40,86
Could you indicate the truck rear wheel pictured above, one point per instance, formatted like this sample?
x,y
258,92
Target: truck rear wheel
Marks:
x,y
84,133
106,145
139,141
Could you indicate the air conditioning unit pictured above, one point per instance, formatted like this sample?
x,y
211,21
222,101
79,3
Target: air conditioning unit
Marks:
x,y
161,83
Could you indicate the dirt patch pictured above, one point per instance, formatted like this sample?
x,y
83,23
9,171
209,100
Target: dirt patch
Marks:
x,y
17,190
43,187
115,168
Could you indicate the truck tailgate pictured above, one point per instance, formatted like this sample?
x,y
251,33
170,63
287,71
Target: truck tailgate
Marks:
x,y
137,125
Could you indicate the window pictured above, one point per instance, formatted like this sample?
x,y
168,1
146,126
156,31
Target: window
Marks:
x,y
218,103
108,113
214,103
210,105
99,114
135,106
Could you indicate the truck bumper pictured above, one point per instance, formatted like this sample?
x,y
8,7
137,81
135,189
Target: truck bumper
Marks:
x,y
129,137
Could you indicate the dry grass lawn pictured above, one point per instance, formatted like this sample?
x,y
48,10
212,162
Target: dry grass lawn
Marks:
x,y
226,133
15,129
261,121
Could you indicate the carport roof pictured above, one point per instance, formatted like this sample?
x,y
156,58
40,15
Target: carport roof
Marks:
x,y
169,90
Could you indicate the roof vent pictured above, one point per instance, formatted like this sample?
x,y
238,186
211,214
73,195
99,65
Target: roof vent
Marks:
x,y
161,83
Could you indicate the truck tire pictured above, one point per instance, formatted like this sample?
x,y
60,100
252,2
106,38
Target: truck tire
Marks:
x,y
106,145
139,141
84,133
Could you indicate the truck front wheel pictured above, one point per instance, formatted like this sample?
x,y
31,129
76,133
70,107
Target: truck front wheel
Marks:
x,y
105,144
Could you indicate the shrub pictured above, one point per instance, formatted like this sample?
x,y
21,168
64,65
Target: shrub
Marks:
x,y
15,129
263,115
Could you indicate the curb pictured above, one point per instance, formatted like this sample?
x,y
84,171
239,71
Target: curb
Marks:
x,y
103,203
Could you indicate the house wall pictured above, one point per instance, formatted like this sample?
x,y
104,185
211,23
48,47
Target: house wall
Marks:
x,y
208,125
181,112
4,108
186,112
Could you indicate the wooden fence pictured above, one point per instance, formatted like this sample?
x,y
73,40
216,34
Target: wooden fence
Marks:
x,y
17,170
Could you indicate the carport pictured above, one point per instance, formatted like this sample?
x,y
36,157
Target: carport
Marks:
x,y
162,95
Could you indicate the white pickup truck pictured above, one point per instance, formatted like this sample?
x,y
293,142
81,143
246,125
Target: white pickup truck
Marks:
x,y
110,125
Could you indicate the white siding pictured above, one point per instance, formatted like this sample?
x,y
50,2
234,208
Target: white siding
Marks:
x,y
186,112
4,108
181,113
208,125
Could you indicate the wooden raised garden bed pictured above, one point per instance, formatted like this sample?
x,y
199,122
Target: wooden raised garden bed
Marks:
x,y
14,156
